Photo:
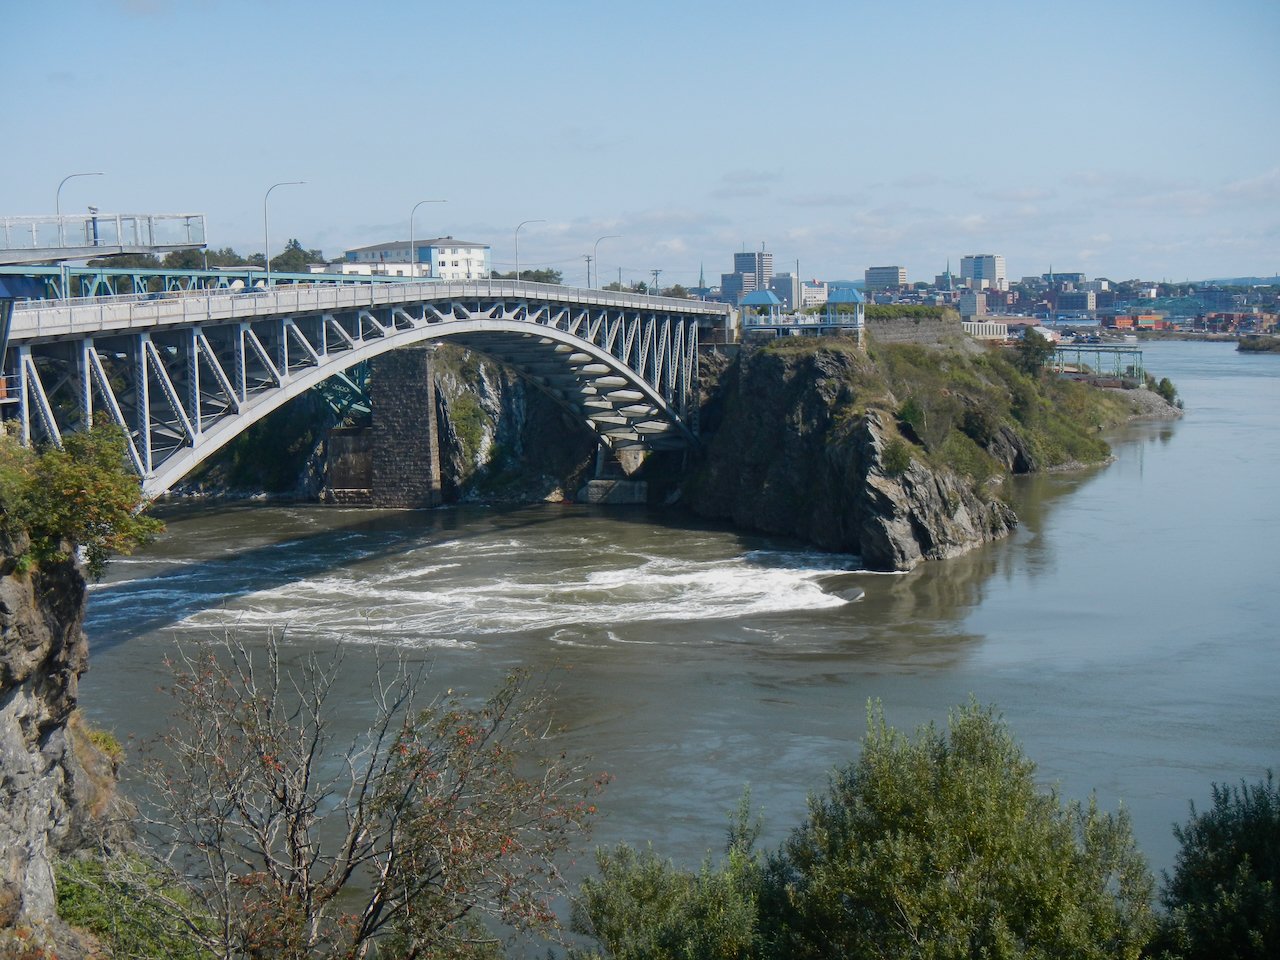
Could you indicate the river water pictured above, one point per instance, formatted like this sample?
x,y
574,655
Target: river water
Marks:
x,y
1127,631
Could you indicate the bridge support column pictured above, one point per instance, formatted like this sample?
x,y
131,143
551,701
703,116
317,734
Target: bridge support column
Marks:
x,y
405,445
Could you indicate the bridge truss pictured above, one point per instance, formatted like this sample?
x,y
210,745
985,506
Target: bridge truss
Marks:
x,y
185,374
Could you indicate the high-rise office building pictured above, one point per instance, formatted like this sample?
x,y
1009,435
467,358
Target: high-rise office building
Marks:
x,y
982,270
884,278
759,263
786,287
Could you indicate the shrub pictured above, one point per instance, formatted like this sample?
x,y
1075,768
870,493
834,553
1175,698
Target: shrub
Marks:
x,y
1224,896
83,494
125,905
944,846
896,458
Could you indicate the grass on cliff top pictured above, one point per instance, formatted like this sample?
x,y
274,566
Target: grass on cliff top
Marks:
x,y
959,407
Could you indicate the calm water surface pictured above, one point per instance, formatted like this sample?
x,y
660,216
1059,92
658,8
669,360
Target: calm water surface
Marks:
x,y
1127,631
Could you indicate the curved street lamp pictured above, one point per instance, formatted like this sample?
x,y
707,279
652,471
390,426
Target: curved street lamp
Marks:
x,y
413,251
518,226
57,197
57,202
266,236
595,254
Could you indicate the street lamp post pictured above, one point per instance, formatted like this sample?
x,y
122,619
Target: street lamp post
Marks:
x,y
266,233
518,226
57,202
413,251
595,254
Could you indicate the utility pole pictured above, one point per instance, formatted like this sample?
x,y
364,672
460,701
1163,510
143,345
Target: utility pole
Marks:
x,y
654,289
587,257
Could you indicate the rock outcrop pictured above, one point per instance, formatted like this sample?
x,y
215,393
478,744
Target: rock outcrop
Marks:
x,y
502,439
56,788
797,448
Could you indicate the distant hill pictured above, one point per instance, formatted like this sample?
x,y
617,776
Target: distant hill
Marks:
x,y
1243,281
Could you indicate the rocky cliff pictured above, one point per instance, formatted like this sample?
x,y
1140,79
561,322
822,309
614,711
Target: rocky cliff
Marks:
x,y
500,438
801,444
56,787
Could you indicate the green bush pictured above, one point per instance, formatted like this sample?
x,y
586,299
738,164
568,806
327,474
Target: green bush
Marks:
x,y
938,846
1167,391
83,494
118,901
896,459
943,845
1223,899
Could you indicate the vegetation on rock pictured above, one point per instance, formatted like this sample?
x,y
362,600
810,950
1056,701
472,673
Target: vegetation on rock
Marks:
x,y
80,495
897,453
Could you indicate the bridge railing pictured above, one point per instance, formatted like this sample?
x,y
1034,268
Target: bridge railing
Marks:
x,y
36,319
102,230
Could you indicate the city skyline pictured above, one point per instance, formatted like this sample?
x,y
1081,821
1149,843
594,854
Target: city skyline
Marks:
x,y
1124,141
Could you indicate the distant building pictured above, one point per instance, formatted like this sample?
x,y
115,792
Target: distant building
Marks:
x,y
786,287
885,278
1075,279
1077,301
734,286
813,293
759,264
1136,321
972,304
442,258
986,329
982,270
1097,286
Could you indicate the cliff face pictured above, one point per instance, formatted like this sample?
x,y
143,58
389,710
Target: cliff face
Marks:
x,y
53,783
796,449
501,439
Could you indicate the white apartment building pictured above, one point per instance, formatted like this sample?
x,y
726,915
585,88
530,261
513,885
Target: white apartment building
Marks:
x,y
982,270
813,293
441,258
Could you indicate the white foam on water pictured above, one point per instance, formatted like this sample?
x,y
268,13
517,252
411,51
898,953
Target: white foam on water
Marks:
x,y
419,593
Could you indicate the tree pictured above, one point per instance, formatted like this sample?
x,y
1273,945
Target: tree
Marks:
x,y
1223,899
143,261
644,908
678,291
1033,352
943,846
533,276
294,258
295,846
82,494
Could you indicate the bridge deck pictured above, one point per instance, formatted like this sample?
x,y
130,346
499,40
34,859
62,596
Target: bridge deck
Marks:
x,y
184,372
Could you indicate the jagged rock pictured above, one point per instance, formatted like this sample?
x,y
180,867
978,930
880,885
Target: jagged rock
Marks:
x,y
56,788
794,452
500,438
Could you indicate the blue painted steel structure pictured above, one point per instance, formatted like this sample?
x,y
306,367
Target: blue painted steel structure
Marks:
x,y
185,372
57,282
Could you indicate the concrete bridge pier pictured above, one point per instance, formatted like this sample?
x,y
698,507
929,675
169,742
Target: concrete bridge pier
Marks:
x,y
613,483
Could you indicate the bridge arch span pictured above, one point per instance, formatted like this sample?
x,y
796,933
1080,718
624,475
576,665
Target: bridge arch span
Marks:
x,y
183,389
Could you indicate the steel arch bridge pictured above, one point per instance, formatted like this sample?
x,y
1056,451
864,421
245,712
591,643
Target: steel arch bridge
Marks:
x,y
184,373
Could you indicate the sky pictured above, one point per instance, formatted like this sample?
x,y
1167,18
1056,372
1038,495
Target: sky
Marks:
x,y
1123,139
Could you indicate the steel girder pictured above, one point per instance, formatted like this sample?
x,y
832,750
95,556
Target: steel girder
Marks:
x,y
181,391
